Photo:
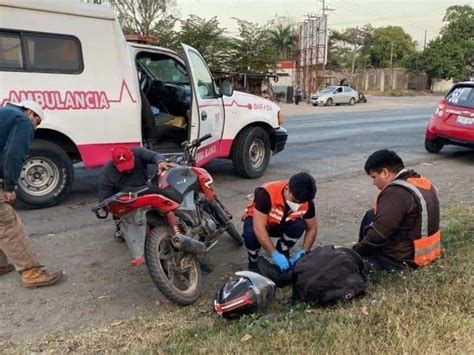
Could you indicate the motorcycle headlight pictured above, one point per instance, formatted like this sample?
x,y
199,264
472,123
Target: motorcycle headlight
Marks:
x,y
281,118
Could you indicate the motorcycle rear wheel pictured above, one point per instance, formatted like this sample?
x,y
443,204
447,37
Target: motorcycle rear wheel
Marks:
x,y
177,275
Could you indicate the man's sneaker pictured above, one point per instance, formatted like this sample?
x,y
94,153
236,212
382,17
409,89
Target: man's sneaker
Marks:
x,y
6,269
39,276
272,271
118,237
252,266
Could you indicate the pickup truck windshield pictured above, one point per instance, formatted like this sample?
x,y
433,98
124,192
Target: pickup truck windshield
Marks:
x,y
166,69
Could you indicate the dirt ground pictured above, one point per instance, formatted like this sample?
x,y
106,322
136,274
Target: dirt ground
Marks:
x,y
102,288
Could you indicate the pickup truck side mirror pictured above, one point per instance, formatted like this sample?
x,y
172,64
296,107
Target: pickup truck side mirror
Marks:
x,y
226,88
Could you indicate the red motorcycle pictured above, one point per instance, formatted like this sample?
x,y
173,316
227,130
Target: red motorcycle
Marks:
x,y
170,222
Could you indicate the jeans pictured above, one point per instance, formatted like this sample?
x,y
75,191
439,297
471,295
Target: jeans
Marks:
x,y
377,262
287,233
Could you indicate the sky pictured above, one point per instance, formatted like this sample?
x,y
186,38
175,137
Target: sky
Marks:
x,y
415,16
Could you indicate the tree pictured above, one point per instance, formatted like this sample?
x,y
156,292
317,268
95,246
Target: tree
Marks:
x,y
253,50
445,60
459,24
450,56
284,40
164,29
140,16
390,45
208,38
348,45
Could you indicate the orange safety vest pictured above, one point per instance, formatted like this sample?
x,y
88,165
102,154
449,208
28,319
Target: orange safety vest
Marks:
x,y
275,190
427,247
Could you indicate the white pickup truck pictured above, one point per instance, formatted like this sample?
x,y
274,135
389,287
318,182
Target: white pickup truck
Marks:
x,y
99,91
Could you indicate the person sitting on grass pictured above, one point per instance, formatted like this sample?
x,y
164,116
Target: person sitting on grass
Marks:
x,y
402,231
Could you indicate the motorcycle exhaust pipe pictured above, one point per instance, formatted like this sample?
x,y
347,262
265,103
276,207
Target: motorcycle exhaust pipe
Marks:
x,y
188,245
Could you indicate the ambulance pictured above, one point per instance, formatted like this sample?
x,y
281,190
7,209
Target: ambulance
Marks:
x,y
99,90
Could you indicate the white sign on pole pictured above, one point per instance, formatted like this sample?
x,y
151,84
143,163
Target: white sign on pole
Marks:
x,y
313,42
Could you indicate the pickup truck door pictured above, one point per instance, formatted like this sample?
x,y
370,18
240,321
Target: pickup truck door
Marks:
x,y
207,111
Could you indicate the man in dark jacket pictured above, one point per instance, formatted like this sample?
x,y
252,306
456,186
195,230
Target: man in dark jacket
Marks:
x,y
17,125
127,170
403,229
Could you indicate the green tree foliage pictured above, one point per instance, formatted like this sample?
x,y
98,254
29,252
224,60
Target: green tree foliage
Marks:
x,y
140,16
449,56
253,50
390,45
459,24
445,60
257,48
284,40
208,38
205,35
349,47
164,29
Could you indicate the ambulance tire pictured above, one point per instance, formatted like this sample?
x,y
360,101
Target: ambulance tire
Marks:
x,y
46,177
251,152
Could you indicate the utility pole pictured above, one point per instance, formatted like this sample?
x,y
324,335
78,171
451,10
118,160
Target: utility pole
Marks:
x,y
391,54
424,44
326,40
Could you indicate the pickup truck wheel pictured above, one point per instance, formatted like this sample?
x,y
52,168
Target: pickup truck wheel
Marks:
x,y
251,152
352,101
46,177
329,102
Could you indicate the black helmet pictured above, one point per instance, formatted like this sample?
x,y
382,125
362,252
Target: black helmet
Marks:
x,y
246,292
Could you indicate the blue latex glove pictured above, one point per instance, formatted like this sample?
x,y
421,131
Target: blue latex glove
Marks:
x,y
280,260
296,256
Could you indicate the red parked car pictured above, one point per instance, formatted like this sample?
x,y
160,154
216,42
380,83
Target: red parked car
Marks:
x,y
453,121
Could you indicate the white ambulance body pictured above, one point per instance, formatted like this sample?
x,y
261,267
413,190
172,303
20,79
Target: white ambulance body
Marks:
x,y
100,91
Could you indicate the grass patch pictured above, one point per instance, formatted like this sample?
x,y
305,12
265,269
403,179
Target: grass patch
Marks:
x,y
425,311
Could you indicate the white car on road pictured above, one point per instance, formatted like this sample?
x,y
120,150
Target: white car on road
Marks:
x,y
335,95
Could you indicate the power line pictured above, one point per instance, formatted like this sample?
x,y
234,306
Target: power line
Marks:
x,y
382,19
371,13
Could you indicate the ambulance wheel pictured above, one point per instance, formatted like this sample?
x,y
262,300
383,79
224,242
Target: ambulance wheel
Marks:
x,y
251,152
46,177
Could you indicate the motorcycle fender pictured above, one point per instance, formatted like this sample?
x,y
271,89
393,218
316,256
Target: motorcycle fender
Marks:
x,y
133,226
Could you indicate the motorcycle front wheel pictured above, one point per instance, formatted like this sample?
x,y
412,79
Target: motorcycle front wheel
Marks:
x,y
176,274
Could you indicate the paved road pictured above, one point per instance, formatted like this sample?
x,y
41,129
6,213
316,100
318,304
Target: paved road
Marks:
x,y
339,142
327,143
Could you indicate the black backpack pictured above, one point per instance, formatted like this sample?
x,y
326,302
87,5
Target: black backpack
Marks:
x,y
327,275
